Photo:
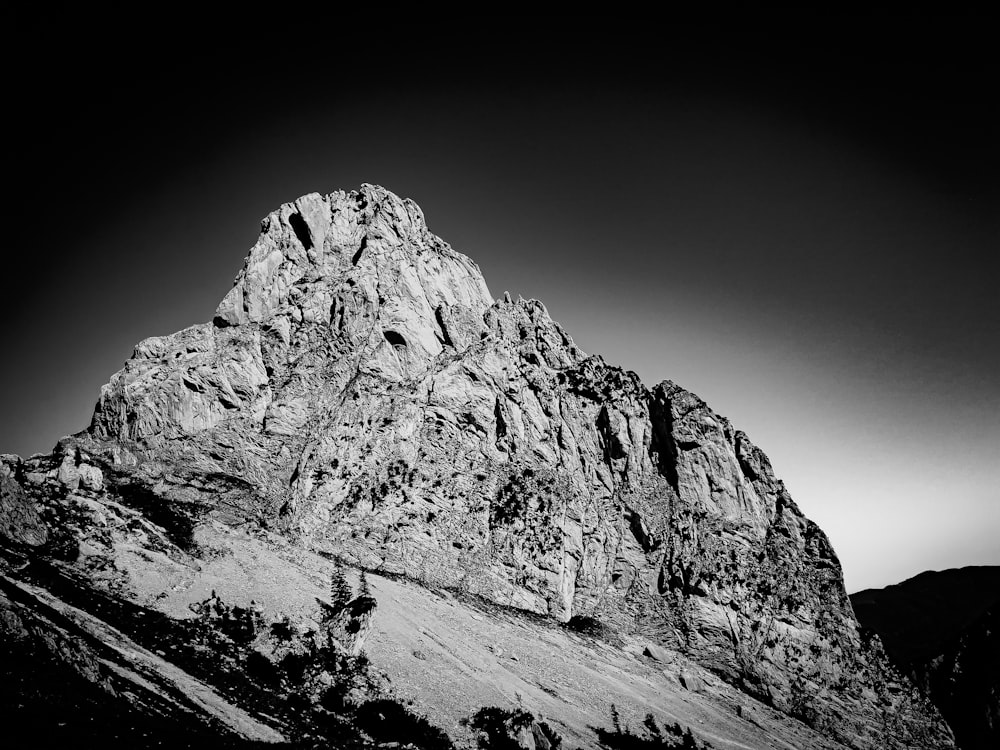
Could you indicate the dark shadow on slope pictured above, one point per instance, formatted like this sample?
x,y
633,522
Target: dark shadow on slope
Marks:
x,y
175,519
46,704
510,729
387,721
309,691
654,736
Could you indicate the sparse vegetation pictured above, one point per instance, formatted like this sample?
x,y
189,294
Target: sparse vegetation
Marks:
x,y
364,589
177,519
498,728
340,589
529,500
654,736
240,625
587,625
388,721
291,676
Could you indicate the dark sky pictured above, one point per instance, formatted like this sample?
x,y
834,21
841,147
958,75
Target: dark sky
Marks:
x,y
797,221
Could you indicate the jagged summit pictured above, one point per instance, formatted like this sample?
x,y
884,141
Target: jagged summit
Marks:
x,y
309,250
361,391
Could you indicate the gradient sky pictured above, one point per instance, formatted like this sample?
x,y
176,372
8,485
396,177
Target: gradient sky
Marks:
x,y
802,230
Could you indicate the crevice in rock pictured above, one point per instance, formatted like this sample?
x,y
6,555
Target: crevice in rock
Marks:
x,y
395,340
744,452
361,248
439,317
192,385
663,447
641,534
301,229
501,426
337,314
613,448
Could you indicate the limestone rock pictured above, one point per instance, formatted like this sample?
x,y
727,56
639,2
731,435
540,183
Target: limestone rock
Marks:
x,y
20,521
657,653
349,626
360,390
68,474
91,477
691,681
514,728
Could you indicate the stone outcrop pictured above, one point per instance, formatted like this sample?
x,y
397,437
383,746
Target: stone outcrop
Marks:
x,y
516,729
361,391
348,626
20,521
341,631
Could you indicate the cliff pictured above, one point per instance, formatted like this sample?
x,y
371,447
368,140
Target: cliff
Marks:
x,y
360,393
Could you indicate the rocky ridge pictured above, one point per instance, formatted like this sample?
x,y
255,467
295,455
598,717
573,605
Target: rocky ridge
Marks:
x,y
361,393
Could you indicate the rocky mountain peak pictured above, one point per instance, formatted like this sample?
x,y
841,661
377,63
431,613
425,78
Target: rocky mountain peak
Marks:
x,y
360,392
365,264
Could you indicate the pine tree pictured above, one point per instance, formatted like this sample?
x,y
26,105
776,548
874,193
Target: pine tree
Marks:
x,y
363,588
340,589
652,728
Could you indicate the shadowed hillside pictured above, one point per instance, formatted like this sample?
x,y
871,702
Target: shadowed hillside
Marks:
x,y
942,629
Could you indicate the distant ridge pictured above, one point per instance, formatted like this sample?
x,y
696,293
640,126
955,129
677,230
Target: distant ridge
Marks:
x,y
942,629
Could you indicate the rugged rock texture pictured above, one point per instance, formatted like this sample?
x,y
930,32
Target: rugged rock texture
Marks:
x,y
942,629
361,392
20,523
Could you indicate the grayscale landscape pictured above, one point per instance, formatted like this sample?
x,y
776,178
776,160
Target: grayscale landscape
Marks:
x,y
430,385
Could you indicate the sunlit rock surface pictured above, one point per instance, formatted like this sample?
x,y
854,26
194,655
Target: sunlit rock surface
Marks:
x,y
360,392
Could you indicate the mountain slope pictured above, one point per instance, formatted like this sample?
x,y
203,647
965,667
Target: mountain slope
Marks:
x,y
942,629
360,393
43,633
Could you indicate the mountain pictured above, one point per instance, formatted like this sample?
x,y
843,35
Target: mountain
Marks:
x,y
942,629
361,399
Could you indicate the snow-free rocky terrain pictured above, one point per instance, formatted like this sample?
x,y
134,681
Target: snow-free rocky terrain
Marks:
x,y
542,532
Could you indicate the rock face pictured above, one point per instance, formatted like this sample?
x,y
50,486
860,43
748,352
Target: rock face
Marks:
x,y
942,629
361,391
20,522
